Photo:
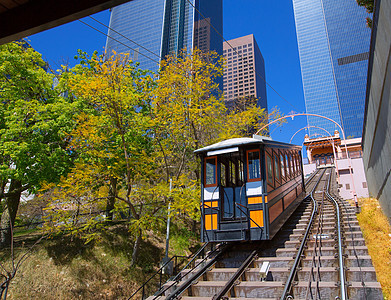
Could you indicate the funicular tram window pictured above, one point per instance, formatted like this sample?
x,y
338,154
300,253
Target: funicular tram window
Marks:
x,y
297,163
287,165
292,165
276,168
210,171
269,169
223,175
282,166
253,165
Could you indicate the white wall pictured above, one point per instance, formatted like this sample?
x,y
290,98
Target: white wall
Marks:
x,y
360,181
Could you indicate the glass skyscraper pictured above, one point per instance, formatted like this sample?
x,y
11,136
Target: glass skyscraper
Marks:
x,y
333,42
162,27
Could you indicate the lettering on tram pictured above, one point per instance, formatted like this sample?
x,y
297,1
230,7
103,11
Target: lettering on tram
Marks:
x,y
250,187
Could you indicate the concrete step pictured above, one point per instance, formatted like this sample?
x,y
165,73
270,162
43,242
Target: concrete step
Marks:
x,y
367,274
259,289
274,274
331,261
220,274
275,262
296,244
231,298
328,251
206,288
330,290
354,234
326,230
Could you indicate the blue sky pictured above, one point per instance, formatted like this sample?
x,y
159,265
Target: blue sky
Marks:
x,y
271,22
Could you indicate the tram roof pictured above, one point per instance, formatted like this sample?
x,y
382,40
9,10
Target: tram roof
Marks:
x,y
235,142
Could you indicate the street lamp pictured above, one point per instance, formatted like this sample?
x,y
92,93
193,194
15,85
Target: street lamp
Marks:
x,y
343,134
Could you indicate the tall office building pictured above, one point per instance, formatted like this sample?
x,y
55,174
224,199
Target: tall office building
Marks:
x,y
333,43
162,27
244,74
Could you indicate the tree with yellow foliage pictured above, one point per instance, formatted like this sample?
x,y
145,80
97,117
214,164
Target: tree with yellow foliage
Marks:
x,y
188,112
135,134
111,142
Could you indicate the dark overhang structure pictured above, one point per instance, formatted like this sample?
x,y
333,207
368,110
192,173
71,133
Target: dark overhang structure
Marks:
x,y
21,18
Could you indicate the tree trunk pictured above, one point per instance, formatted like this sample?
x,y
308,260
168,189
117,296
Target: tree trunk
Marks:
x,y
9,215
136,249
5,232
111,197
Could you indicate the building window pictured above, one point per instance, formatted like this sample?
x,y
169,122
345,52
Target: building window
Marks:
x,y
364,185
348,186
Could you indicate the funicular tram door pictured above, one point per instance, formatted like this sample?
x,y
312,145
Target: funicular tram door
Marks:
x,y
233,189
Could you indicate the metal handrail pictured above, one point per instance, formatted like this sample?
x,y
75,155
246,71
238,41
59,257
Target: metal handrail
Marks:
x,y
201,271
211,220
150,278
203,223
176,279
301,248
248,215
163,266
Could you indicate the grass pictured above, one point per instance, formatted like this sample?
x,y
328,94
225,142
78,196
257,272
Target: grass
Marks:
x,y
67,268
377,235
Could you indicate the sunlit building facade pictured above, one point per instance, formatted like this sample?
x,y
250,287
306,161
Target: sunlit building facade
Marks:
x,y
156,28
244,73
333,43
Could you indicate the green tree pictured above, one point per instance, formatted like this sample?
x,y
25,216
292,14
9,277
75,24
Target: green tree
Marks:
x,y
189,113
112,144
369,5
34,121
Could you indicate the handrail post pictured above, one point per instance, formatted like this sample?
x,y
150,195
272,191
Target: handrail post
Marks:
x,y
160,279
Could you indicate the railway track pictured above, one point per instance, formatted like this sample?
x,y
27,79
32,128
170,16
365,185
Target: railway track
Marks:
x,y
318,254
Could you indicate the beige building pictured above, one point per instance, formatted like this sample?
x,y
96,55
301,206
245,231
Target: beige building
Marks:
x,y
244,72
331,151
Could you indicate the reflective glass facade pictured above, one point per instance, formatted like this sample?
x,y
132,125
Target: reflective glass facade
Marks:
x,y
164,27
333,43
140,21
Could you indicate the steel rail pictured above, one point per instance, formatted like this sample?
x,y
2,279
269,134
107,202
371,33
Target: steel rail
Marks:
x,y
237,274
354,248
177,278
179,290
342,275
194,255
317,247
292,274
